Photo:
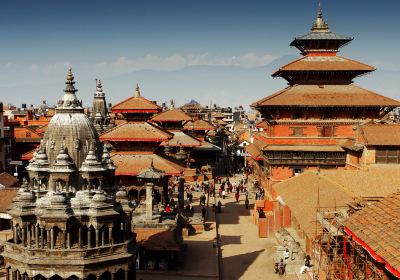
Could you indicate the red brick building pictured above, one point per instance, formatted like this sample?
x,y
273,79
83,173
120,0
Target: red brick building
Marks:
x,y
322,120
307,123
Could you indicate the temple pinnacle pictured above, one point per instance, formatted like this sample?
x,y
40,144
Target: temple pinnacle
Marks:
x,y
137,91
319,24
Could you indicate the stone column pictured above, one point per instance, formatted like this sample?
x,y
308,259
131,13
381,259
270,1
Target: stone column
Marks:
x,y
113,275
28,234
15,234
37,236
126,274
149,202
89,237
97,237
110,237
64,239
103,236
23,236
80,237
42,238
7,273
52,238
68,239
48,239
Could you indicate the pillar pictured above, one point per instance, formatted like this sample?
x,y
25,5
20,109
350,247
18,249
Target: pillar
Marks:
x,y
52,238
149,203
28,234
103,237
15,234
89,238
42,238
64,239
96,244
48,238
68,239
37,236
23,236
80,237
7,273
126,274
110,237
113,276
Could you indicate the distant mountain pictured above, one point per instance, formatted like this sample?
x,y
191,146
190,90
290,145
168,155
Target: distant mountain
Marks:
x,y
224,85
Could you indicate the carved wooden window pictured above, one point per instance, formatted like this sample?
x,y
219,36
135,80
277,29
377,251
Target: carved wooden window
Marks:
x,y
28,134
297,131
327,131
388,155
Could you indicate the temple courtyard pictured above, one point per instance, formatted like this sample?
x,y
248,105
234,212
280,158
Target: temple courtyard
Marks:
x,y
243,254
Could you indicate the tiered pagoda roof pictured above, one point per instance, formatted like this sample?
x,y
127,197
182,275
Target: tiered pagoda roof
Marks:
x,y
137,131
136,104
172,115
181,139
321,78
133,163
198,125
326,95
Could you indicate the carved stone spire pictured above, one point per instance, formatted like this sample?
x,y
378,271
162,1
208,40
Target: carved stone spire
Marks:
x,y
99,89
69,100
319,24
137,91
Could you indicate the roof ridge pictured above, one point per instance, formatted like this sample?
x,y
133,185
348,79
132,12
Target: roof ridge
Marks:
x,y
352,194
353,60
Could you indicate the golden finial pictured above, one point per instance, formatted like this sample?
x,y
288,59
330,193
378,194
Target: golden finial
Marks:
x,y
319,24
137,91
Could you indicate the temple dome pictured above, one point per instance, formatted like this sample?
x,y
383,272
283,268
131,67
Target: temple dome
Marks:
x,y
70,128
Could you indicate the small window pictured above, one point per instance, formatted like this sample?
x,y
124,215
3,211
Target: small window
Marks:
x,y
297,171
327,131
28,134
297,131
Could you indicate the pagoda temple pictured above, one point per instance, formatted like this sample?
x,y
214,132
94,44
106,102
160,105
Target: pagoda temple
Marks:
x,y
70,221
307,123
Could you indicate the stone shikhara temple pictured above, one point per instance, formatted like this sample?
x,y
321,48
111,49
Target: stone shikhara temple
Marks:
x,y
70,221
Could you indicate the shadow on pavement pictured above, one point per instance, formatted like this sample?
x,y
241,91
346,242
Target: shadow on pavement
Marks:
x,y
236,266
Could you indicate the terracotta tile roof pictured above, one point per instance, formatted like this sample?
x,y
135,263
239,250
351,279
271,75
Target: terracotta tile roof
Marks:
x,y
8,180
42,129
300,194
136,105
254,151
262,124
28,155
131,164
381,134
137,131
181,139
324,63
172,115
304,148
375,181
198,125
157,238
377,229
6,197
207,146
326,95
26,134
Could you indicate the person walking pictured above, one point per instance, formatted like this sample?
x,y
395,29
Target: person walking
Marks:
x,y
203,213
237,196
247,202
223,194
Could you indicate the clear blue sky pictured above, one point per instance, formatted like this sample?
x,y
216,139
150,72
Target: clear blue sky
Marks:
x,y
170,47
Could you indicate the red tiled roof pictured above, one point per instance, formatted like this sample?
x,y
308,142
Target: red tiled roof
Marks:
x,y
6,197
381,134
182,139
136,105
198,125
28,155
26,134
324,63
7,180
157,238
254,152
173,115
326,95
137,131
131,164
376,228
